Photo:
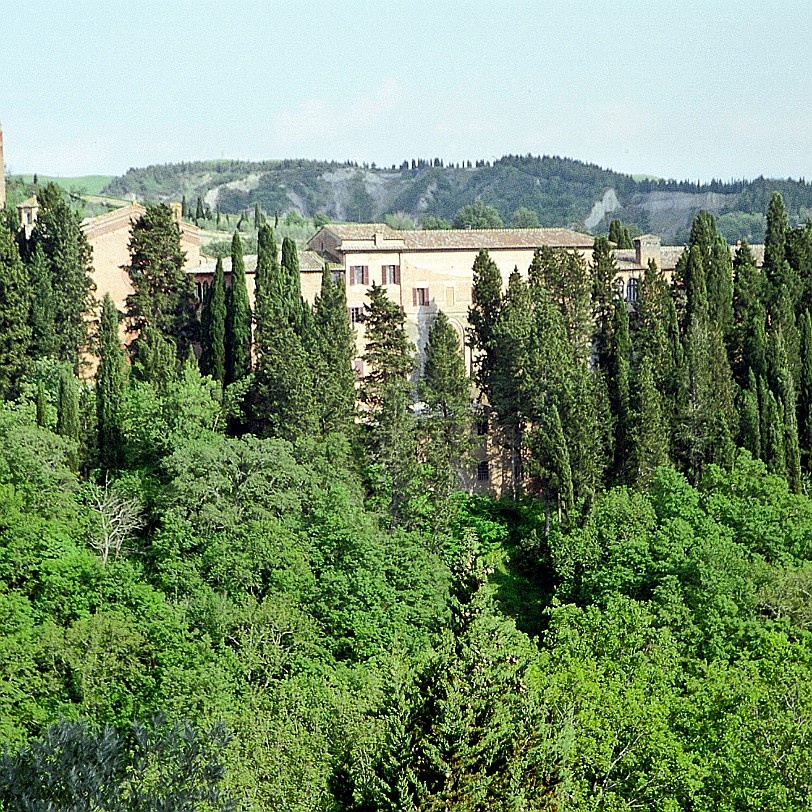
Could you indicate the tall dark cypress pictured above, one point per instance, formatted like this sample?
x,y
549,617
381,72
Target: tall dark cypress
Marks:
x,y
68,424
58,231
109,387
805,392
750,418
604,271
619,368
334,352
238,318
43,327
15,303
648,437
486,301
267,285
213,327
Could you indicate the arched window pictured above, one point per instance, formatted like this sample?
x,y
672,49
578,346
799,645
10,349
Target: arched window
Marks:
x,y
632,290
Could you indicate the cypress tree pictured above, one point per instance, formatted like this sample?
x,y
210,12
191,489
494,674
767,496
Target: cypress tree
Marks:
x,y
213,327
267,285
773,436
65,248
750,429
238,318
444,389
748,311
293,354
619,367
67,420
334,377
199,211
486,301
257,216
42,406
155,361
510,380
604,271
15,303
389,425
649,433
184,209
43,328
551,463
775,244
786,393
109,387
805,391
163,295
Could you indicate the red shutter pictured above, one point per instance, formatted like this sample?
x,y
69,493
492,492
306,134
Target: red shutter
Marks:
x,y
351,275
384,280
365,274
428,297
414,296
397,275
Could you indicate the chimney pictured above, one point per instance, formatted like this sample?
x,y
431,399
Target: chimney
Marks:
x,y
647,247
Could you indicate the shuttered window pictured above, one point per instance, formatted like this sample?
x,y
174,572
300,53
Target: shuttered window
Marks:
x,y
420,297
359,274
390,274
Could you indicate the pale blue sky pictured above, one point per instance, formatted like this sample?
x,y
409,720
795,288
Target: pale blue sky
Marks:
x,y
680,89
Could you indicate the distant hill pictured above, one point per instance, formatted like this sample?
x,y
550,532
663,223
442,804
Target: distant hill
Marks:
x,y
561,191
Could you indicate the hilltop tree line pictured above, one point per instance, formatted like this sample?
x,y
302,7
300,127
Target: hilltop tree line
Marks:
x,y
557,191
256,580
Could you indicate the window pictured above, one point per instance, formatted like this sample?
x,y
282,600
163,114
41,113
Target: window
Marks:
x,y
632,287
420,297
483,472
449,296
335,276
354,314
359,274
390,274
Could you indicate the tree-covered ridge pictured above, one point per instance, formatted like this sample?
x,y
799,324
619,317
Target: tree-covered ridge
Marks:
x,y
240,582
549,190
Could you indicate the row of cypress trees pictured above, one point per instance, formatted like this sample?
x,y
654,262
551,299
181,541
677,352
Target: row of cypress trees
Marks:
x,y
588,391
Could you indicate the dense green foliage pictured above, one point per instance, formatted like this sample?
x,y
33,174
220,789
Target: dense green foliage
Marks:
x,y
263,599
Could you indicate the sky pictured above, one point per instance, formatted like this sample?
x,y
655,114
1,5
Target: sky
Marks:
x,y
687,90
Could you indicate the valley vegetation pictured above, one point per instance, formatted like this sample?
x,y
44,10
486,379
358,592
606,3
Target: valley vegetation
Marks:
x,y
249,581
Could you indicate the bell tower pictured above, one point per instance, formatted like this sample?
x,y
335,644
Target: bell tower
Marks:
x,y
2,172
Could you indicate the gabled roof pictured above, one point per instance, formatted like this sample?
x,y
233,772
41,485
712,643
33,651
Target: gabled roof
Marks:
x,y
371,236
31,203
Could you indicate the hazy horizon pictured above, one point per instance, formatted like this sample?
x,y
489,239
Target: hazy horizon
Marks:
x,y
691,93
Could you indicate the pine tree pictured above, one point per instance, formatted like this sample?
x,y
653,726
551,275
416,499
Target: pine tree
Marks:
x,y
15,303
199,211
164,296
238,318
334,377
184,209
776,269
213,327
257,216
619,235
109,387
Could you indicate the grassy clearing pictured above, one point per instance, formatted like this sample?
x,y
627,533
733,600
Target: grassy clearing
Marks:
x,y
82,184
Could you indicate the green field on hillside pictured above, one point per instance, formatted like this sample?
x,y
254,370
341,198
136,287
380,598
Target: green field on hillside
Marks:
x,y
82,184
